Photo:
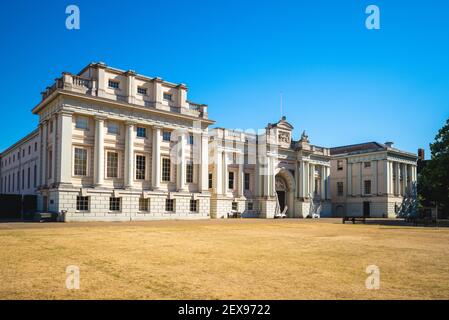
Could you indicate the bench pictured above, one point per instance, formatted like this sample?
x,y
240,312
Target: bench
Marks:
x,y
354,219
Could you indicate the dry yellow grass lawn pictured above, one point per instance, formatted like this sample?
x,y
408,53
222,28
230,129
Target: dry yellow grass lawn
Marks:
x,y
216,259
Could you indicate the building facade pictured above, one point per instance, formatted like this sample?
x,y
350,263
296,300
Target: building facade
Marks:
x,y
371,179
113,145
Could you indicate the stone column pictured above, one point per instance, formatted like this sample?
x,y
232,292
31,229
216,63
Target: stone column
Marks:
x,y
323,182
305,179
266,177
181,163
131,87
241,178
99,152
54,149
361,179
129,155
396,185
405,189
328,183
312,179
44,151
65,147
218,167
204,164
224,172
156,159
349,179
374,177
387,177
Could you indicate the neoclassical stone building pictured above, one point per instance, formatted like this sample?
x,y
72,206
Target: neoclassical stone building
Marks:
x,y
113,145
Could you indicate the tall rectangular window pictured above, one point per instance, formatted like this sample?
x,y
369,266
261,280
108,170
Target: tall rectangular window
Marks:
x,y
82,123
144,204
169,205
35,176
367,187
141,132
234,206
80,162
367,164
114,204
18,180
23,179
140,167
190,139
246,181
231,180
166,136
112,165
82,203
29,178
193,205
340,189
166,169
50,164
189,172
210,180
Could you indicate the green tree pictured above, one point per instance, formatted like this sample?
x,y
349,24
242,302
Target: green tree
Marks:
x,y
433,184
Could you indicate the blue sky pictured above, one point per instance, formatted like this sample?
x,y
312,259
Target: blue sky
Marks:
x,y
342,83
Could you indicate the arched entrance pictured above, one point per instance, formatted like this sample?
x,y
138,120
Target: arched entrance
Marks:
x,y
285,189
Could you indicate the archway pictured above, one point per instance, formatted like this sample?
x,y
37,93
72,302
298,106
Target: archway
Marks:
x,y
285,190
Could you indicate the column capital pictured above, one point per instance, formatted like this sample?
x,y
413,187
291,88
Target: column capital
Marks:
x,y
100,118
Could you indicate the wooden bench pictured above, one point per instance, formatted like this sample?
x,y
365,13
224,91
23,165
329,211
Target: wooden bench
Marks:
x,y
354,219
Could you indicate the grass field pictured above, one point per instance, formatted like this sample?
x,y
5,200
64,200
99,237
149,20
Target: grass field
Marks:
x,y
223,259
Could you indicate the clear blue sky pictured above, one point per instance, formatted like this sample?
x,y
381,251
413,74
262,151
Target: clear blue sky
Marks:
x,y
342,83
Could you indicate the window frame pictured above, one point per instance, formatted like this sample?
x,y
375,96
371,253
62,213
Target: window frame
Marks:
x,y
142,90
140,129
112,84
190,172
87,204
167,94
144,204
74,172
231,187
367,184
163,176
193,206
340,194
164,132
114,201
339,165
138,174
108,167
117,126
246,182
169,205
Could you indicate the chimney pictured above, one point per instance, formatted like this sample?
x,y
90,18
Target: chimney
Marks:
x,y
421,154
389,144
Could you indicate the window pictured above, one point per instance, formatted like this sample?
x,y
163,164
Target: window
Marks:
x,y
144,204
23,179
140,167
340,189
18,180
190,139
82,123
114,204
234,206
367,186
113,84
112,165
35,146
142,90
367,164
82,203
141,132
167,96
50,163
23,153
193,205
29,178
246,181
165,169
29,149
35,176
189,172
113,128
231,180
250,206
166,135
51,126
80,162
210,180
169,205
339,165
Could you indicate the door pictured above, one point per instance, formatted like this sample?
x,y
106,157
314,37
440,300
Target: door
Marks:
x,y
366,209
281,197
